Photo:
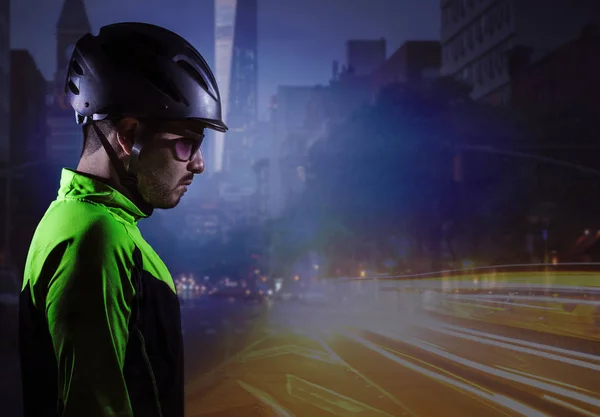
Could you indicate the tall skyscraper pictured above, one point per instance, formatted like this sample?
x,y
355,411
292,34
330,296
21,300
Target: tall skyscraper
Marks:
x,y
4,81
65,139
236,72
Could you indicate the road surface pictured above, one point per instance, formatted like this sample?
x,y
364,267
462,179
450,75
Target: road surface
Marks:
x,y
396,349
514,345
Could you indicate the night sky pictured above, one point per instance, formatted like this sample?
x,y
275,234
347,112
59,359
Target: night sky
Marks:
x,y
298,40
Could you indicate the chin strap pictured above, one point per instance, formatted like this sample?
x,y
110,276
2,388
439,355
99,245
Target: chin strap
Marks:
x,y
128,178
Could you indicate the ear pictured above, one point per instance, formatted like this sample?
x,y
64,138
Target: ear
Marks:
x,y
126,132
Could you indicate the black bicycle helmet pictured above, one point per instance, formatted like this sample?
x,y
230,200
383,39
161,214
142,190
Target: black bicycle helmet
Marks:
x,y
144,71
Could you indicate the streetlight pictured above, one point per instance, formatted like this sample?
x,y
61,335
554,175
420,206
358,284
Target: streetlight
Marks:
x,y
7,173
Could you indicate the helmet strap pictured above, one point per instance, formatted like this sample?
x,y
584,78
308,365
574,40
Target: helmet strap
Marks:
x,y
128,178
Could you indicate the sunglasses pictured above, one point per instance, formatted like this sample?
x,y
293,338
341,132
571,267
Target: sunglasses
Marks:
x,y
185,147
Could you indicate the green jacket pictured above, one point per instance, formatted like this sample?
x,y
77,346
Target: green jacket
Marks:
x,y
100,327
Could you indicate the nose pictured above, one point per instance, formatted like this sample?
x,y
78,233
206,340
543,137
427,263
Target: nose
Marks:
x,y
196,164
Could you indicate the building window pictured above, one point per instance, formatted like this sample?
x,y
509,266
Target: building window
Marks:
x,y
479,72
479,31
500,62
455,10
467,74
470,36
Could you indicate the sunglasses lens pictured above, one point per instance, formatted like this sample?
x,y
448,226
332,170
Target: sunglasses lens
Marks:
x,y
186,148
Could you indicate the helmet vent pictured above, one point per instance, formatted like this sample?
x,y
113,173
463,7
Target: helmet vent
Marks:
x,y
73,88
76,67
192,72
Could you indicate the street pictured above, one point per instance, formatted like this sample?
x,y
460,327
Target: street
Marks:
x,y
402,354
394,348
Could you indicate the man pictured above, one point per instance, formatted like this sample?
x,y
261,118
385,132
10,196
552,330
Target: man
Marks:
x,y
99,315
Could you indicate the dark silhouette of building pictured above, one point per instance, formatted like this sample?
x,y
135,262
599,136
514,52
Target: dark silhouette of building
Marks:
x,y
413,62
4,81
263,193
28,199
242,93
65,138
363,56
476,37
29,127
565,79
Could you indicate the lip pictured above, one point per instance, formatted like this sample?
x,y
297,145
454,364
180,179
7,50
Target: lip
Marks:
x,y
186,183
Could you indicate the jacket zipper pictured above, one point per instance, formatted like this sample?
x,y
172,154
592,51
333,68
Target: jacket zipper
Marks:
x,y
147,360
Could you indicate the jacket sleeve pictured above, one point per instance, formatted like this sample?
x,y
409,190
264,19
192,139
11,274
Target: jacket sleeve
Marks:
x,y
88,305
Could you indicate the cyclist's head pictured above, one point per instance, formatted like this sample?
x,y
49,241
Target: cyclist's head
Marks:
x,y
171,154
149,94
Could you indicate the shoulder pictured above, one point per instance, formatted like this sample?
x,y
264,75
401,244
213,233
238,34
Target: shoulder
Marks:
x,y
79,233
82,223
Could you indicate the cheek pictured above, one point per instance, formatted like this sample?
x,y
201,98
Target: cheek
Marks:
x,y
160,167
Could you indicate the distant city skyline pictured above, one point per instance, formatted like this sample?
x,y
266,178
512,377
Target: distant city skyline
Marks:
x,y
297,41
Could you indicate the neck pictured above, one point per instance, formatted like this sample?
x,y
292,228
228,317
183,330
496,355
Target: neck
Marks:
x,y
99,166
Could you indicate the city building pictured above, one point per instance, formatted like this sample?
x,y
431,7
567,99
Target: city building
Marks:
x,y
28,129
298,119
4,81
263,193
27,200
351,86
65,139
559,93
236,71
477,36
564,79
413,62
301,115
363,56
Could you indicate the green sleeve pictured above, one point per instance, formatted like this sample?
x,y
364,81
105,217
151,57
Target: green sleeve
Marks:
x,y
88,309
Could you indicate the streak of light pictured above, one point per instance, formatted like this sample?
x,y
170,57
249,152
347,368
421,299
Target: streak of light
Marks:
x,y
499,373
475,305
529,298
569,405
525,343
327,399
498,399
333,354
479,299
267,399
541,378
516,348
469,270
